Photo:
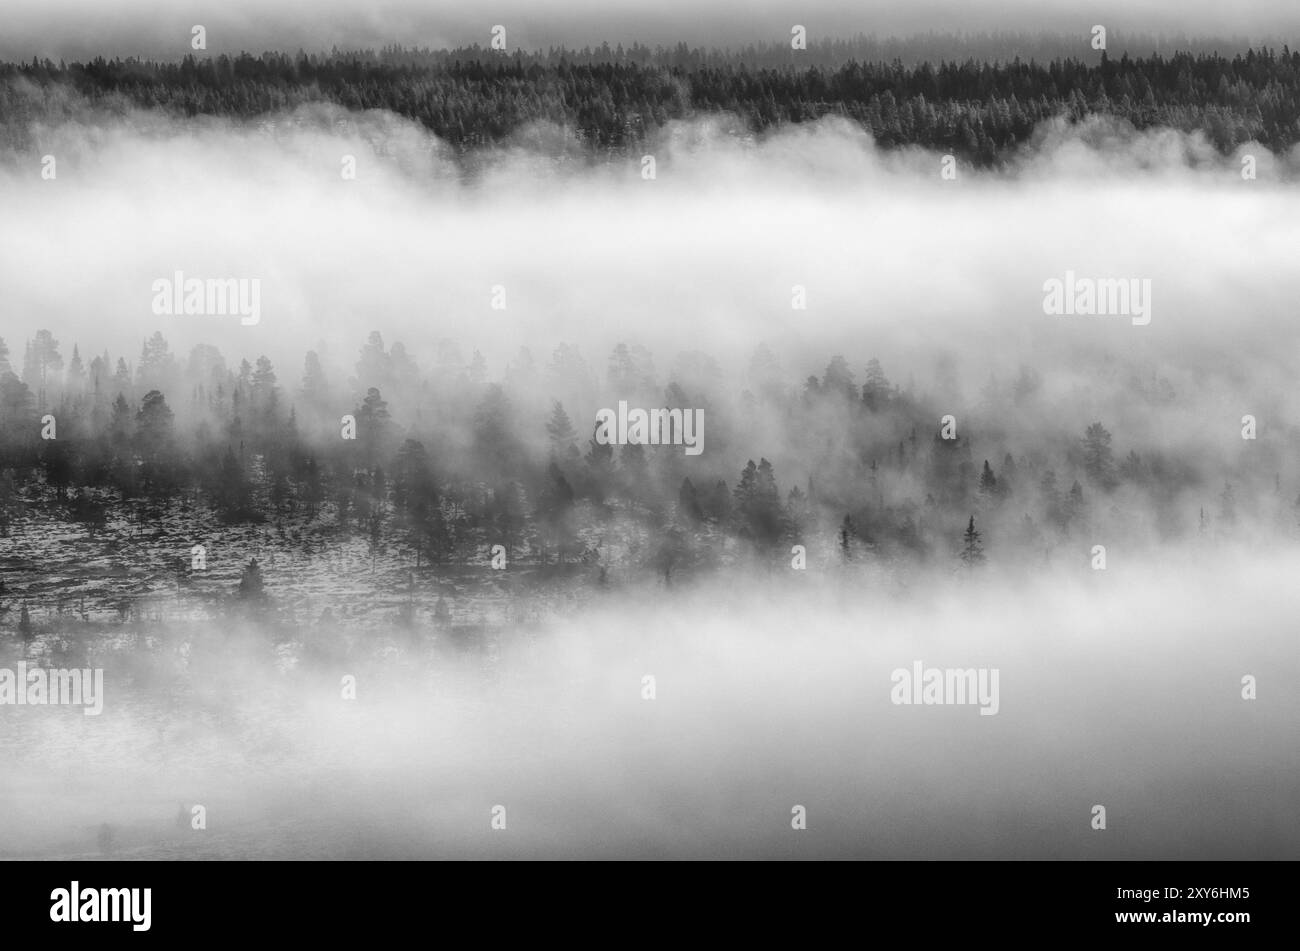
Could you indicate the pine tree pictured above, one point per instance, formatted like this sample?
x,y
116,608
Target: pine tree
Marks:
x,y
767,518
153,424
372,424
839,379
600,467
718,503
1052,509
875,391
231,492
688,503
562,435
1131,468
972,553
157,365
75,378
265,397
798,512
45,359
1098,461
373,364
251,586
314,387
743,498
120,428
1007,481
988,482
555,512
1074,502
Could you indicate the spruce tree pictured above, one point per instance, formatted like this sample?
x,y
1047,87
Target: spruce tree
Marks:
x,y
988,481
972,553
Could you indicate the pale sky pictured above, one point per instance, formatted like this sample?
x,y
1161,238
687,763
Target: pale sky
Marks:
x,y
161,28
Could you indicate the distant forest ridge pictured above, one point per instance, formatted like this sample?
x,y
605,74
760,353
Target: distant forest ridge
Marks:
x,y
615,99
932,47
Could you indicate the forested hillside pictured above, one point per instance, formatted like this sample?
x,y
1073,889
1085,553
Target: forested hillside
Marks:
x,y
149,458
610,100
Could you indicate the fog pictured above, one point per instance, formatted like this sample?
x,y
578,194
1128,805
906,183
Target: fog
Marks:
x,y
893,258
1122,692
77,28
1119,687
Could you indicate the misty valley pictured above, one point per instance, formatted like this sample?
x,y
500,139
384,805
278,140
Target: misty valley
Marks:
x,y
353,457
475,581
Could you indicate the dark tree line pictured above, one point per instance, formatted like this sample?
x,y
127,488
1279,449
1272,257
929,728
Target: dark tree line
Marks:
x,y
612,100
438,463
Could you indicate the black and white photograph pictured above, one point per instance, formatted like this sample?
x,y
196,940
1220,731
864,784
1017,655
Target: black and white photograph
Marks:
x,y
731,430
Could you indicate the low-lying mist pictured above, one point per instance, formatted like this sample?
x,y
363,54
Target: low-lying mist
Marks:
x,y
893,258
1120,689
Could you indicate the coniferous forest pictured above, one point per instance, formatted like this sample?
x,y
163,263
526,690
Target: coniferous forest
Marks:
x,y
449,464
614,100
982,355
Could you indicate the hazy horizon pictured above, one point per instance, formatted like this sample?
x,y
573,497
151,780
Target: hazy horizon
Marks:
x,y
71,29
1110,520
